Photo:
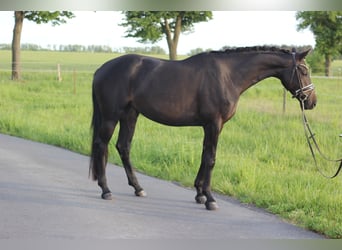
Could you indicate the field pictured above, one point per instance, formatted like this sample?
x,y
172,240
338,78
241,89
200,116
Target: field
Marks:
x,y
262,157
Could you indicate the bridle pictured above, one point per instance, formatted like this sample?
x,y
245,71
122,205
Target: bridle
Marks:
x,y
302,94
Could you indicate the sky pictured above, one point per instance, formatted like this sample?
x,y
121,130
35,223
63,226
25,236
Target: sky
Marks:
x,y
227,28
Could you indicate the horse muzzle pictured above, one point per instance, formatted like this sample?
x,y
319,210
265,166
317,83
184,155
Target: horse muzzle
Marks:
x,y
306,96
309,102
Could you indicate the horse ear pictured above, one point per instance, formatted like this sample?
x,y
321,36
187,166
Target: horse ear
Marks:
x,y
302,55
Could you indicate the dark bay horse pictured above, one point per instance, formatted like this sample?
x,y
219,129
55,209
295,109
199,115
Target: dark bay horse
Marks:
x,y
202,90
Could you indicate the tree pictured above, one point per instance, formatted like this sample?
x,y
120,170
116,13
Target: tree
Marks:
x,y
316,62
56,18
151,26
327,29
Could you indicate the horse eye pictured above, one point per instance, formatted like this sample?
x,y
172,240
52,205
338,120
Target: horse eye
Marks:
x,y
303,69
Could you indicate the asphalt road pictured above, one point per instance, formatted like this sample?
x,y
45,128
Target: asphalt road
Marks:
x,y
45,193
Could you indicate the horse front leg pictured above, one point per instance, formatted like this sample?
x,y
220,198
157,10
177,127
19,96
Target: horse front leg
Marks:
x,y
200,197
203,179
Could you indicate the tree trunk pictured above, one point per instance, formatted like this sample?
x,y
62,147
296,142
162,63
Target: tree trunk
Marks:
x,y
327,64
172,51
170,44
18,25
173,42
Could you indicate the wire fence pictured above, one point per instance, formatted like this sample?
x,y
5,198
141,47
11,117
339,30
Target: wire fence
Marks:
x,y
47,67
55,72
58,69
88,67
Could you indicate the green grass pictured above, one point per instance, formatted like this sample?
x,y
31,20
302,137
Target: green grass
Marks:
x,y
262,156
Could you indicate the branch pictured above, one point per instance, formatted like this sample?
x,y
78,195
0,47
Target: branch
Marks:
x,y
178,28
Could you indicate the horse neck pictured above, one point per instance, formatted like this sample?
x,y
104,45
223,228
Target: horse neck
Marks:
x,y
247,69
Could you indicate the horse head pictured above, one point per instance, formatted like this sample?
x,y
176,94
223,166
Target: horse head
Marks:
x,y
296,79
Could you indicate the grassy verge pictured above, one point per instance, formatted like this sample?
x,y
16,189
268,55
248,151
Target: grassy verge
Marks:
x,y
262,156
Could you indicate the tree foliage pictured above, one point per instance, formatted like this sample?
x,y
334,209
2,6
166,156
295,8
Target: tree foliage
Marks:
x,y
152,26
327,29
55,17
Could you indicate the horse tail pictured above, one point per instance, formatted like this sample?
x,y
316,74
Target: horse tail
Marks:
x,y
95,125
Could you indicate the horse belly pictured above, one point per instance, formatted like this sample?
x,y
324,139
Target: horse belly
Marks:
x,y
168,109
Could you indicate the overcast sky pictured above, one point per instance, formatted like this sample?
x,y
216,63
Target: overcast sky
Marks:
x,y
227,28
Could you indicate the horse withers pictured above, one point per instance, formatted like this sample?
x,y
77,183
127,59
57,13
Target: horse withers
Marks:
x,y
202,90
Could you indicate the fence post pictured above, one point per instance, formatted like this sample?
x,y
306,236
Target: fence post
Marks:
x,y
74,80
59,77
284,100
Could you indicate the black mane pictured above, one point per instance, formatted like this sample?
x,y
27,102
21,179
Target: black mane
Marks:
x,y
253,49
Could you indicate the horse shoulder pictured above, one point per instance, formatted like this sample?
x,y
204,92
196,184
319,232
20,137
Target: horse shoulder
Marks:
x,y
218,95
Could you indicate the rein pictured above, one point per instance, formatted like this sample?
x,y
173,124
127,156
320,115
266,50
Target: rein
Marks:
x,y
301,95
310,137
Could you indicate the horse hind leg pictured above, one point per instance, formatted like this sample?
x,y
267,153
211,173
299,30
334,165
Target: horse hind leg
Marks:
x,y
123,145
100,157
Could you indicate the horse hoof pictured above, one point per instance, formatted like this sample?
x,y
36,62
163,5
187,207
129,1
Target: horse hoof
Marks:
x,y
140,193
212,205
200,199
107,196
